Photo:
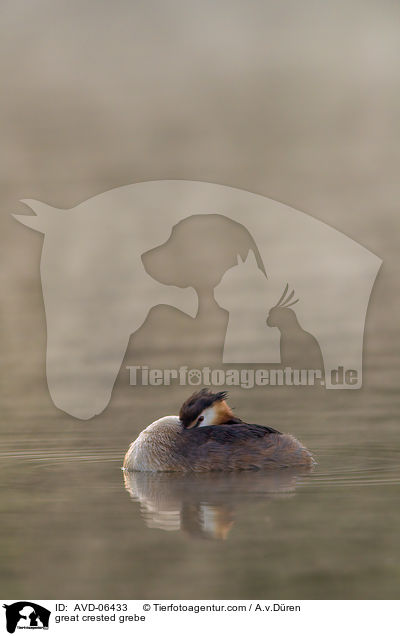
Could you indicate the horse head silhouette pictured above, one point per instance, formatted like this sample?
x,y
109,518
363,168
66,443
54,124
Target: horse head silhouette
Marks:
x,y
97,290
96,293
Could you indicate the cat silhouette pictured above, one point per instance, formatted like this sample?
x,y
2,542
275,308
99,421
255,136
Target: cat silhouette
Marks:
x,y
247,339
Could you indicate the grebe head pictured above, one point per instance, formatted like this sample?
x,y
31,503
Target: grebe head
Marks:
x,y
204,408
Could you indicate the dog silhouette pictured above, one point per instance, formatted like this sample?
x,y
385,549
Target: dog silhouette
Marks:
x,y
199,251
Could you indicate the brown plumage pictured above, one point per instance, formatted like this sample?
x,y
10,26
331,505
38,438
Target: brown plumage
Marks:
x,y
240,446
207,437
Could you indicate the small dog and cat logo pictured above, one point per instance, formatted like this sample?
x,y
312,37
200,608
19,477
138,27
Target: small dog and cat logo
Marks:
x,y
26,615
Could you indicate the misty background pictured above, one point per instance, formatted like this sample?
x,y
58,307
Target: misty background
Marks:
x,y
297,101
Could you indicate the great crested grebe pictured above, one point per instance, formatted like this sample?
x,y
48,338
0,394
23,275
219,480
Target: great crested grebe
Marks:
x,y
208,437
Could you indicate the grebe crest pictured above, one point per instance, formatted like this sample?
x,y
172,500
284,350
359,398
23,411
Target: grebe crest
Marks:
x,y
205,408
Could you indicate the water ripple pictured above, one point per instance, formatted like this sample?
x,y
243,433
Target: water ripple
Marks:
x,y
349,471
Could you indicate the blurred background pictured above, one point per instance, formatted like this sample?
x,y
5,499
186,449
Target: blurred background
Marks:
x,y
296,101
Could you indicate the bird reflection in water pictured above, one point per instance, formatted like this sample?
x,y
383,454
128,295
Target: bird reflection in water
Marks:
x,y
203,504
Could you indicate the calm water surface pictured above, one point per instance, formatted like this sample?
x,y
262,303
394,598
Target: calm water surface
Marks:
x,y
75,526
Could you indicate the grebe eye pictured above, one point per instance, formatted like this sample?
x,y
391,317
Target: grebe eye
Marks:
x,y
200,419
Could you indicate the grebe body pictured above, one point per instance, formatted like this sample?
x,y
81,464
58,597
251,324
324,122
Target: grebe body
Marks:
x,y
207,437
